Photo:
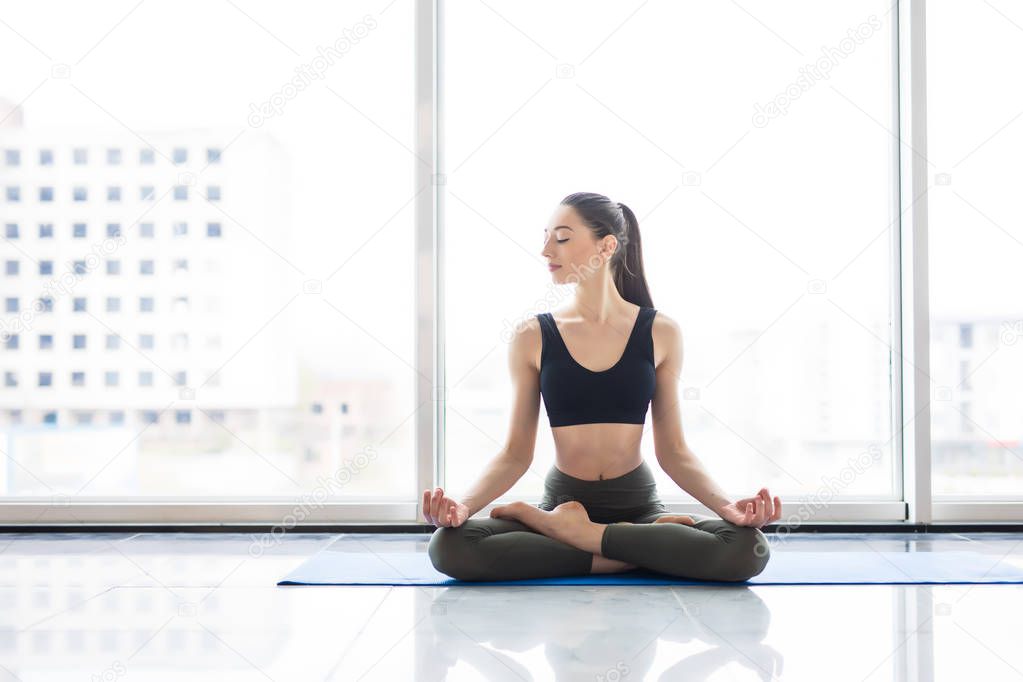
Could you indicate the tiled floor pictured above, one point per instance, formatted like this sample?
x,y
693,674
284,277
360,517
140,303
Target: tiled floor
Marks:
x,y
203,606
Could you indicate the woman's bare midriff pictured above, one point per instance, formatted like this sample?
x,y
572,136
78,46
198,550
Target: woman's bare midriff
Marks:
x,y
594,452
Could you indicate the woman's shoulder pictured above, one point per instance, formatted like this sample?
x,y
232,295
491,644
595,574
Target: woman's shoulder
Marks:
x,y
525,342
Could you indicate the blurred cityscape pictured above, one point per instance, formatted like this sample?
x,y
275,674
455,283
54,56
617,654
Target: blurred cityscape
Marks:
x,y
130,355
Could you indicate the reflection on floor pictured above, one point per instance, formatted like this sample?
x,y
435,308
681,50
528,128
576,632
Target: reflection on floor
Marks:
x,y
205,606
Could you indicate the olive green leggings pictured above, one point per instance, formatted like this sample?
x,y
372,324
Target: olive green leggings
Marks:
x,y
505,549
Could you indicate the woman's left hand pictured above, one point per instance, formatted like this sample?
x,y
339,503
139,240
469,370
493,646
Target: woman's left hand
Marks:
x,y
756,511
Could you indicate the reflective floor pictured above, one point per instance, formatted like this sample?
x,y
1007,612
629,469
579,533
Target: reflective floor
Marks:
x,y
204,606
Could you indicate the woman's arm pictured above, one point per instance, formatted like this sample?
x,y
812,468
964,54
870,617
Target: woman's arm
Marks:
x,y
516,457
674,455
687,471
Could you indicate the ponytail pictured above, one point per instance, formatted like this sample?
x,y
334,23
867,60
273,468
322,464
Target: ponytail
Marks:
x,y
628,274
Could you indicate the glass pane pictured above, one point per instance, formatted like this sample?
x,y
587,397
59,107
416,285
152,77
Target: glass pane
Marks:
x,y
250,171
762,187
974,136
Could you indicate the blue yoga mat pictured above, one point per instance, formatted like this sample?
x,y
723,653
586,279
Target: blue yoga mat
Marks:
x,y
351,561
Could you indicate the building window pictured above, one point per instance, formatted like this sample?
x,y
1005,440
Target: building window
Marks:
x,y
78,304
50,418
147,193
78,230
180,192
79,267
45,157
116,418
80,156
212,229
12,157
79,194
149,416
10,380
45,304
212,155
46,379
113,267
180,265
145,304
180,155
113,193
11,342
46,342
147,157
146,341
966,335
213,193
145,267
111,378
83,418
146,378
113,341
13,194
78,341
78,378
146,230
183,416
114,157
11,267
11,304
11,230
46,230
113,230
180,229
45,194
180,378
46,267
113,304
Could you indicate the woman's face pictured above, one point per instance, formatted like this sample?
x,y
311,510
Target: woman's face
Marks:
x,y
569,244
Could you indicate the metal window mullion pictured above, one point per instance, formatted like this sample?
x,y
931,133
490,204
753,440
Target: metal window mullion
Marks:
x,y
911,258
427,265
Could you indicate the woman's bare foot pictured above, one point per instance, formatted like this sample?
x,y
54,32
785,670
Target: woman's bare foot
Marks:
x,y
601,564
677,518
567,522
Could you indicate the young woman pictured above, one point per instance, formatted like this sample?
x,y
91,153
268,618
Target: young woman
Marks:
x,y
597,366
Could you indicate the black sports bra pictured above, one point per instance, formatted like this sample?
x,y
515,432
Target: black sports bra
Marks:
x,y
620,394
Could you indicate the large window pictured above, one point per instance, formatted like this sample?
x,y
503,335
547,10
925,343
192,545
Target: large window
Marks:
x,y
975,132
234,184
763,188
244,247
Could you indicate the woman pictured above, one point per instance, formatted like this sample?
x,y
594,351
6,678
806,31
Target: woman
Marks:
x,y
597,368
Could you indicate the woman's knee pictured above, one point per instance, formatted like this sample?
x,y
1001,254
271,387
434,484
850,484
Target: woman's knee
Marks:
x,y
450,552
746,555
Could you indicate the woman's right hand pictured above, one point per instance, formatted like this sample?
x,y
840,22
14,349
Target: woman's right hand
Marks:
x,y
441,510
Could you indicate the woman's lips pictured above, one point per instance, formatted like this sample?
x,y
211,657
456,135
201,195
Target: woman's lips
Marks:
x,y
552,268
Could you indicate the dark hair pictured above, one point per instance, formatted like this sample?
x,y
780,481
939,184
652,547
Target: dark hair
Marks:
x,y
605,217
